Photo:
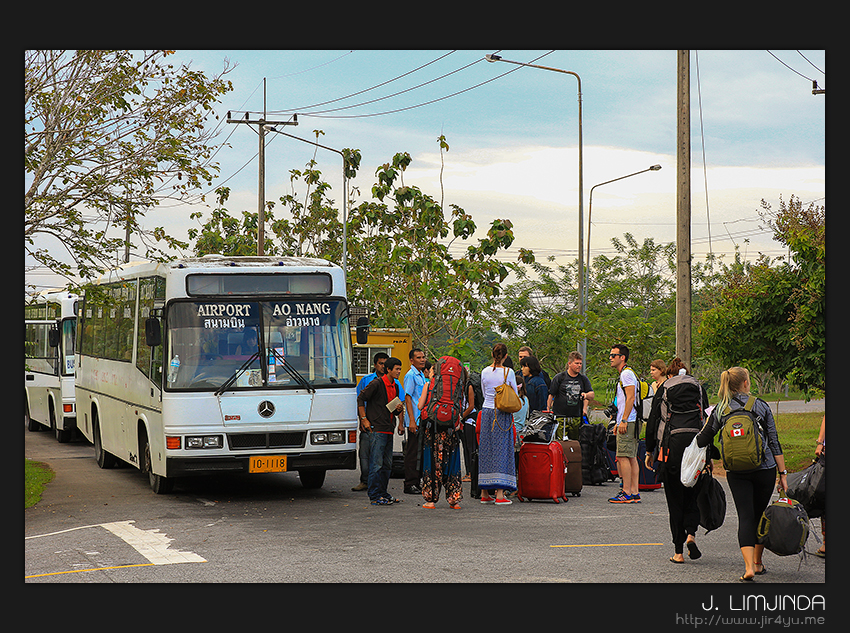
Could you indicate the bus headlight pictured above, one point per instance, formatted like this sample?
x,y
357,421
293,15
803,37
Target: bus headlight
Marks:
x,y
203,441
327,437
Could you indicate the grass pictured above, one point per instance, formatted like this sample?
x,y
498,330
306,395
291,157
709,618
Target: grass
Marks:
x,y
798,433
36,476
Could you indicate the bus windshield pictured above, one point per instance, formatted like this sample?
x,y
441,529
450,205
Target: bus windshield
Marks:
x,y
258,344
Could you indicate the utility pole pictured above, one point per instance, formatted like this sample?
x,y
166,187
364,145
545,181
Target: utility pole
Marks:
x,y
261,185
683,209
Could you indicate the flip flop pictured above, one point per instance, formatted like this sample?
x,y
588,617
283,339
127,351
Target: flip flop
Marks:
x,y
678,562
763,569
429,505
745,579
693,550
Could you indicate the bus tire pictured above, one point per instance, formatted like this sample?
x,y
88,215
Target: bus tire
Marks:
x,y
312,478
103,458
62,436
32,425
159,484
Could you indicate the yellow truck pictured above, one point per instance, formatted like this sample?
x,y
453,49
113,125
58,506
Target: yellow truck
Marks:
x,y
394,342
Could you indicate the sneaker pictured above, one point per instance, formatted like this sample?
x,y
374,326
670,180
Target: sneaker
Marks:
x,y
360,486
635,498
620,498
503,502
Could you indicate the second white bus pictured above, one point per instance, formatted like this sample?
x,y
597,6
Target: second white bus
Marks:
x,y
50,321
219,364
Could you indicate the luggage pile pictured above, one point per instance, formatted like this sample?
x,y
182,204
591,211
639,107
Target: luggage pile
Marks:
x,y
548,468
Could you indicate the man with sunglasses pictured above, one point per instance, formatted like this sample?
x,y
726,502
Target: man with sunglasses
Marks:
x,y
628,428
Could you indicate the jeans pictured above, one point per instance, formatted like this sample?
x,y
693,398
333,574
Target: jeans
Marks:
x,y
364,455
380,465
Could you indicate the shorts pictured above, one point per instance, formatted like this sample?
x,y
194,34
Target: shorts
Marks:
x,y
627,443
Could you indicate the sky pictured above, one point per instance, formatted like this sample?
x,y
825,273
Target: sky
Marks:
x,y
757,132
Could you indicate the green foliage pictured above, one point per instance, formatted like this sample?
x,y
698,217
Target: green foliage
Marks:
x,y
770,316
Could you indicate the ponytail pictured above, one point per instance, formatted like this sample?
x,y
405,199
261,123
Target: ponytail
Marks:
x,y
731,382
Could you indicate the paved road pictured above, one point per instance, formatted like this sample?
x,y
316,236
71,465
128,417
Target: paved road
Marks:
x,y
96,526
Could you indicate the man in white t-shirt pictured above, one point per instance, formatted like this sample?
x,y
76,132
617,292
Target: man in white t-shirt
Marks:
x,y
628,428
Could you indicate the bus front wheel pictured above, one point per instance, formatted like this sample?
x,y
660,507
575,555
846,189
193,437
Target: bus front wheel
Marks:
x,y
159,484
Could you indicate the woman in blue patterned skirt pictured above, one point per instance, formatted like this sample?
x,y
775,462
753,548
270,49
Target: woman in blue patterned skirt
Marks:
x,y
496,464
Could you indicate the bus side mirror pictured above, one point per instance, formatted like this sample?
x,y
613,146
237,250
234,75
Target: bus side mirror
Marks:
x,y
362,330
153,333
53,337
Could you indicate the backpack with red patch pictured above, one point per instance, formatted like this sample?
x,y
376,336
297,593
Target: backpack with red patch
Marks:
x,y
445,403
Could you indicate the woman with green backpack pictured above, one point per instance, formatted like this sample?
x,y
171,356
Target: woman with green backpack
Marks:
x,y
751,453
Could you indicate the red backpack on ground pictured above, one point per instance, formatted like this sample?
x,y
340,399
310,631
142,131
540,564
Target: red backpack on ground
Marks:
x,y
445,403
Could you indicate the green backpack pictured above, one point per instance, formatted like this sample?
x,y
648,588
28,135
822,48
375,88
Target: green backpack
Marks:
x,y
741,444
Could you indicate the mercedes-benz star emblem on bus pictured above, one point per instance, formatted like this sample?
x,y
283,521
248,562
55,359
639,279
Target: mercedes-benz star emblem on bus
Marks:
x,y
266,409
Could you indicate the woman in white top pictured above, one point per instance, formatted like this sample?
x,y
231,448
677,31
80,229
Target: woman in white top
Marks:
x,y
496,464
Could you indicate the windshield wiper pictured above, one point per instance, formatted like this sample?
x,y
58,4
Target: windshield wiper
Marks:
x,y
293,372
237,373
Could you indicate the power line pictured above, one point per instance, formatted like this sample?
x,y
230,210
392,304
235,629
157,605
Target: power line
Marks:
x,y
789,68
354,94
419,105
813,66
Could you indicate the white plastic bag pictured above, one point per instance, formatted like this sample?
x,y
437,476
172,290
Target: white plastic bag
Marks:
x,y
693,461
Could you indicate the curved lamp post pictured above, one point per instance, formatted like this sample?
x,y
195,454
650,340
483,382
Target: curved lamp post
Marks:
x,y
581,292
344,197
589,211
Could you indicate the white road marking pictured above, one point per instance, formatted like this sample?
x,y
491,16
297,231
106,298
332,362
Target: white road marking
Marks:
x,y
151,544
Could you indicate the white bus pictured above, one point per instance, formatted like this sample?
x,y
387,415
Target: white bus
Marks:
x,y
259,374
50,322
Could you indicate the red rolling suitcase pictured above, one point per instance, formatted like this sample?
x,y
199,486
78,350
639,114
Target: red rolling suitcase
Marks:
x,y
573,479
541,471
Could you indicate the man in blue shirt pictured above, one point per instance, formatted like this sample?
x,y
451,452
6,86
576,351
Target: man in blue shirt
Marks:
x,y
363,454
414,383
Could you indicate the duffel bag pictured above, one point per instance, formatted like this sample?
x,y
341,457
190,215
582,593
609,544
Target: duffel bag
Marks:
x,y
784,526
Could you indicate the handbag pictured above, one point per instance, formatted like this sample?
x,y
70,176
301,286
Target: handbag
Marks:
x,y
711,501
507,401
693,461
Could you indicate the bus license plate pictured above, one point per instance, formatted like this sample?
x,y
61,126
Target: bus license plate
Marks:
x,y
267,464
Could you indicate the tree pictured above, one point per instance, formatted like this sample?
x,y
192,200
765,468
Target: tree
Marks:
x,y
401,265
769,316
630,301
107,135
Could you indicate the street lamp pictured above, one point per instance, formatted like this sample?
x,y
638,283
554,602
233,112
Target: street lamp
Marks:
x,y
590,211
497,58
344,196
